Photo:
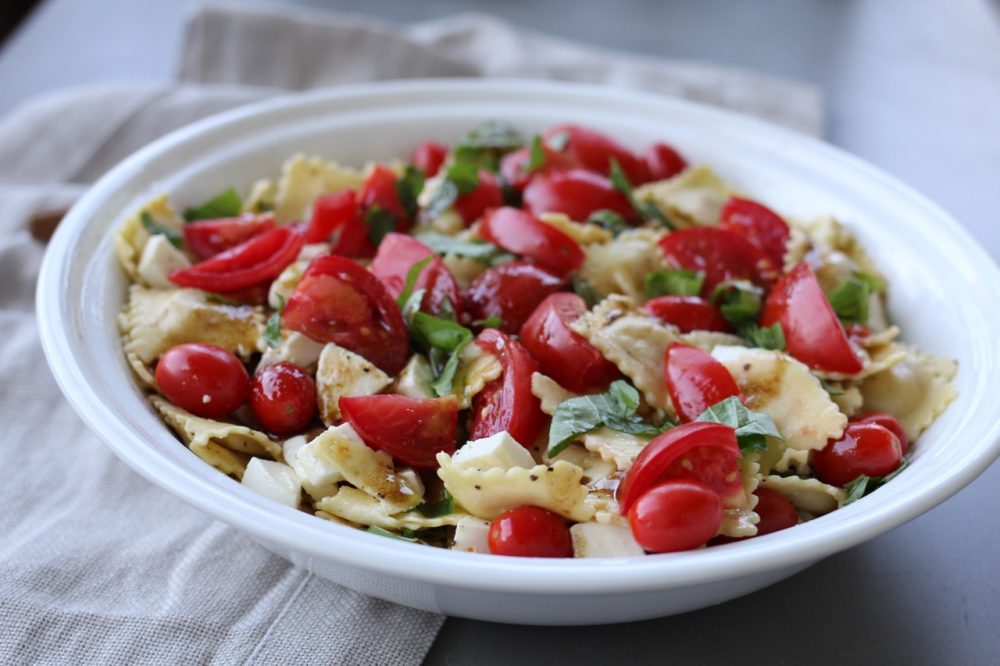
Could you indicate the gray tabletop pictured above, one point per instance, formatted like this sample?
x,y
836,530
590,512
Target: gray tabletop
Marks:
x,y
912,86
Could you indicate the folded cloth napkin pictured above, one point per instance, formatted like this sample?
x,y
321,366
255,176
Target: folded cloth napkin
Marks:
x,y
98,566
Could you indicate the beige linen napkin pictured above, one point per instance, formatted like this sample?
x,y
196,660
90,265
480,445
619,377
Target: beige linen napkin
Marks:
x,y
98,566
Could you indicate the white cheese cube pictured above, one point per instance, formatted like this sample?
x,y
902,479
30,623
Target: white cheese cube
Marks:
x,y
604,540
319,474
272,479
290,448
295,348
159,259
341,372
499,450
415,379
472,535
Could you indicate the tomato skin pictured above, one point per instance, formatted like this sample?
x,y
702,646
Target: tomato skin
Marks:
x,y
696,381
688,313
561,352
813,334
428,157
339,300
521,233
340,216
259,259
188,373
283,398
594,152
411,430
674,516
720,254
510,291
759,224
397,254
379,189
865,448
776,514
530,531
471,205
663,162
207,238
513,166
577,193
890,423
507,403
700,451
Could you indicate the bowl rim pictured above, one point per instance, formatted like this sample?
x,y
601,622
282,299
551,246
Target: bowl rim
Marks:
x,y
297,531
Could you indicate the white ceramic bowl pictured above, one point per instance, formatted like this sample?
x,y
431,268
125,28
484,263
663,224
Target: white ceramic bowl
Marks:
x,y
944,292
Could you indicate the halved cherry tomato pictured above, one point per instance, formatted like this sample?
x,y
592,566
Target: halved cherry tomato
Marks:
x,y
411,430
507,403
865,448
339,219
663,162
688,313
577,193
257,260
204,379
813,334
283,398
890,423
514,166
759,224
699,451
720,254
428,157
339,300
380,190
397,254
695,380
594,152
561,352
511,292
775,511
471,205
521,233
530,531
674,516
207,238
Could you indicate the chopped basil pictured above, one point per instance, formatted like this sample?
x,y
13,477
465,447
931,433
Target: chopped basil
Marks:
x,y
222,300
587,292
459,178
411,280
443,340
829,388
647,210
442,507
225,204
615,408
263,207
752,428
272,330
408,188
767,337
676,282
379,222
536,156
494,134
863,485
488,253
558,141
609,220
374,529
739,301
492,321
154,228
850,298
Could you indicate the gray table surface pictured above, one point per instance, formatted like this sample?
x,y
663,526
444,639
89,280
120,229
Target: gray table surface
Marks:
x,y
913,87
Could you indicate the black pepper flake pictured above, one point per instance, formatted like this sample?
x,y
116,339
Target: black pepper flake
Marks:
x,y
746,366
478,487
366,369
533,477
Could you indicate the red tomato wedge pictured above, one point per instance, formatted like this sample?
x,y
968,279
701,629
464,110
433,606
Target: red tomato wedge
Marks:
x,y
380,190
561,352
594,151
338,218
523,234
207,238
428,157
514,166
339,301
411,430
759,224
697,451
260,259
577,193
511,292
507,403
471,205
688,313
720,254
397,254
663,162
813,334
696,381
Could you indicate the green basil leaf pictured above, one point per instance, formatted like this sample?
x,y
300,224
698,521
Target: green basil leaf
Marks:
x,y
434,332
412,305
444,382
464,175
536,156
558,141
408,188
892,475
608,219
855,490
492,321
225,204
752,428
443,507
615,408
263,207
739,301
767,337
849,300
272,329
392,535
834,392
151,225
488,253
587,292
647,210
678,282
379,222
875,284
412,276
494,134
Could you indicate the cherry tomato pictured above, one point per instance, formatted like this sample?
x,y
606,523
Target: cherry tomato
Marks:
x,y
813,334
514,166
720,254
775,511
283,398
674,516
857,331
594,152
890,423
865,448
428,157
530,531
205,380
695,380
380,190
411,430
511,292
701,451
471,205
397,254
260,259
577,193
339,301
663,162
758,224
340,216
207,238
561,352
507,404
520,233
688,313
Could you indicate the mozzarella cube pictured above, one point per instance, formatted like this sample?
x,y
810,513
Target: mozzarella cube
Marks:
x,y
318,474
415,379
295,348
604,540
472,535
342,373
499,450
272,479
159,259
